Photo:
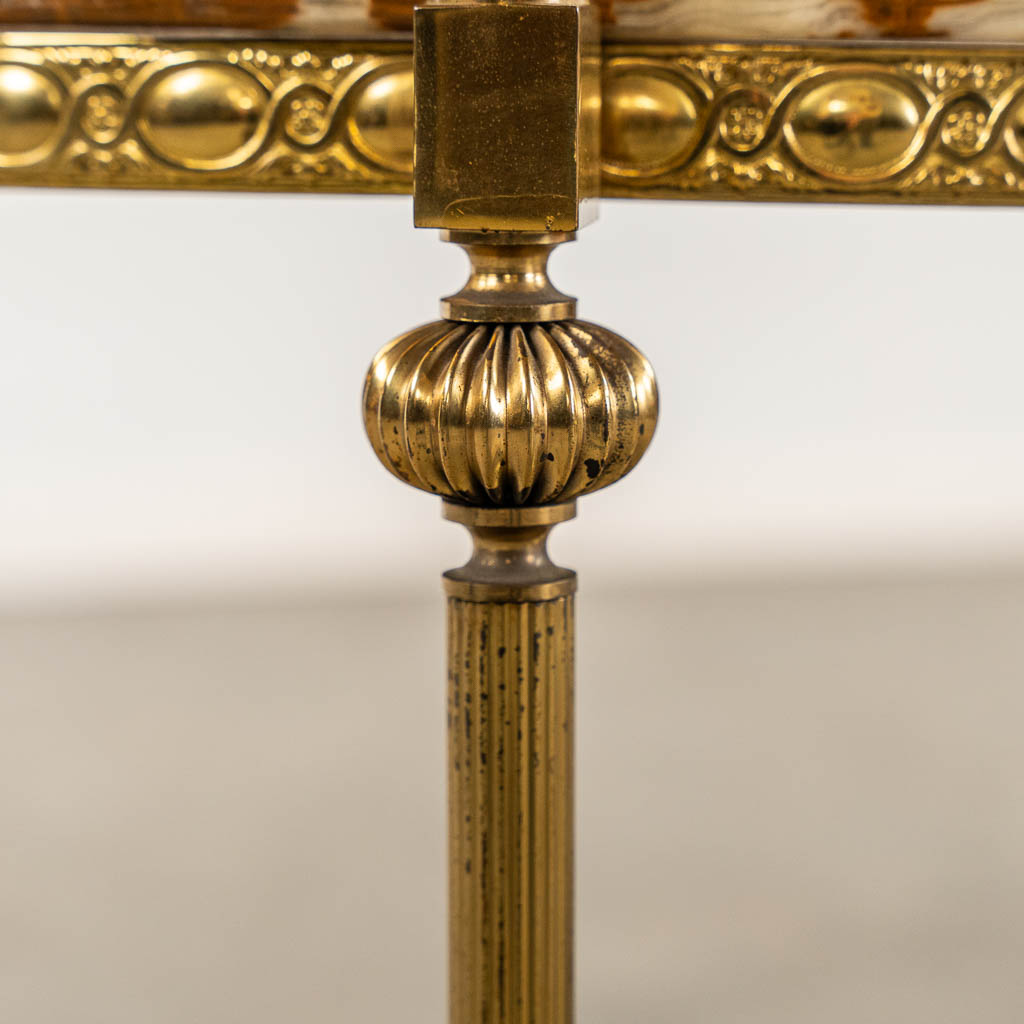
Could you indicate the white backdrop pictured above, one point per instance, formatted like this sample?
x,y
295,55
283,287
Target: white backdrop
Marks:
x,y
180,381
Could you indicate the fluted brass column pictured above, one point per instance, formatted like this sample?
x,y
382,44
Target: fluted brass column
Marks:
x,y
509,409
510,763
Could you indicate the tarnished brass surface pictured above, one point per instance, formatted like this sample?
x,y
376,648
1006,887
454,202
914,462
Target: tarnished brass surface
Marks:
x,y
510,788
507,115
878,123
510,745
510,557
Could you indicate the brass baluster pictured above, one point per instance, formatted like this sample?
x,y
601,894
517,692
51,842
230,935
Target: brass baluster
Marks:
x,y
509,409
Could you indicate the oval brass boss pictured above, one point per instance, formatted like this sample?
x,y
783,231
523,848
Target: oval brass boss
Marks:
x,y
854,128
380,122
202,116
649,122
30,114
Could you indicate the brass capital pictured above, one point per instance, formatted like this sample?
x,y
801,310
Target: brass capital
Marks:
x,y
508,105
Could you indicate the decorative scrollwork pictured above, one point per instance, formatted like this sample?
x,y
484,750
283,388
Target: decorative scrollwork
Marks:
x,y
135,113
915,124
806,121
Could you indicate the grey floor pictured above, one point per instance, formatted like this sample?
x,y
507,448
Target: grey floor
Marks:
x,y
799,802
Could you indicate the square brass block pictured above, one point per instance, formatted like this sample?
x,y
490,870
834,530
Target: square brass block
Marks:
x,y
507,116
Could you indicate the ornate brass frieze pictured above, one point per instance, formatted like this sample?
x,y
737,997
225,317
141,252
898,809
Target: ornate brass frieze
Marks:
x,y
804,122
125,112
801,122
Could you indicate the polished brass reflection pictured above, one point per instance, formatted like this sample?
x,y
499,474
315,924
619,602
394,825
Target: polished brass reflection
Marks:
x,y
651,121
854,128
508,280
202,116
879,123
382,104
31,110
126,111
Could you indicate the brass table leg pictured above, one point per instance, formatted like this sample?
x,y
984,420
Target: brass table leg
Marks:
x,y
509,423
510,774
509,409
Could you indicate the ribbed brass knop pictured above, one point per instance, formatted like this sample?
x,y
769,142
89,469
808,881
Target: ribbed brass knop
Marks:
x,y
510,414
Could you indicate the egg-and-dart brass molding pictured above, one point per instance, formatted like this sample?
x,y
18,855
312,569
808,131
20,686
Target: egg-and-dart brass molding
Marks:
x,y
896,123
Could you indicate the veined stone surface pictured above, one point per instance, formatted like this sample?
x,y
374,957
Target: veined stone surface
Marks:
x,y
998,21
717,20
